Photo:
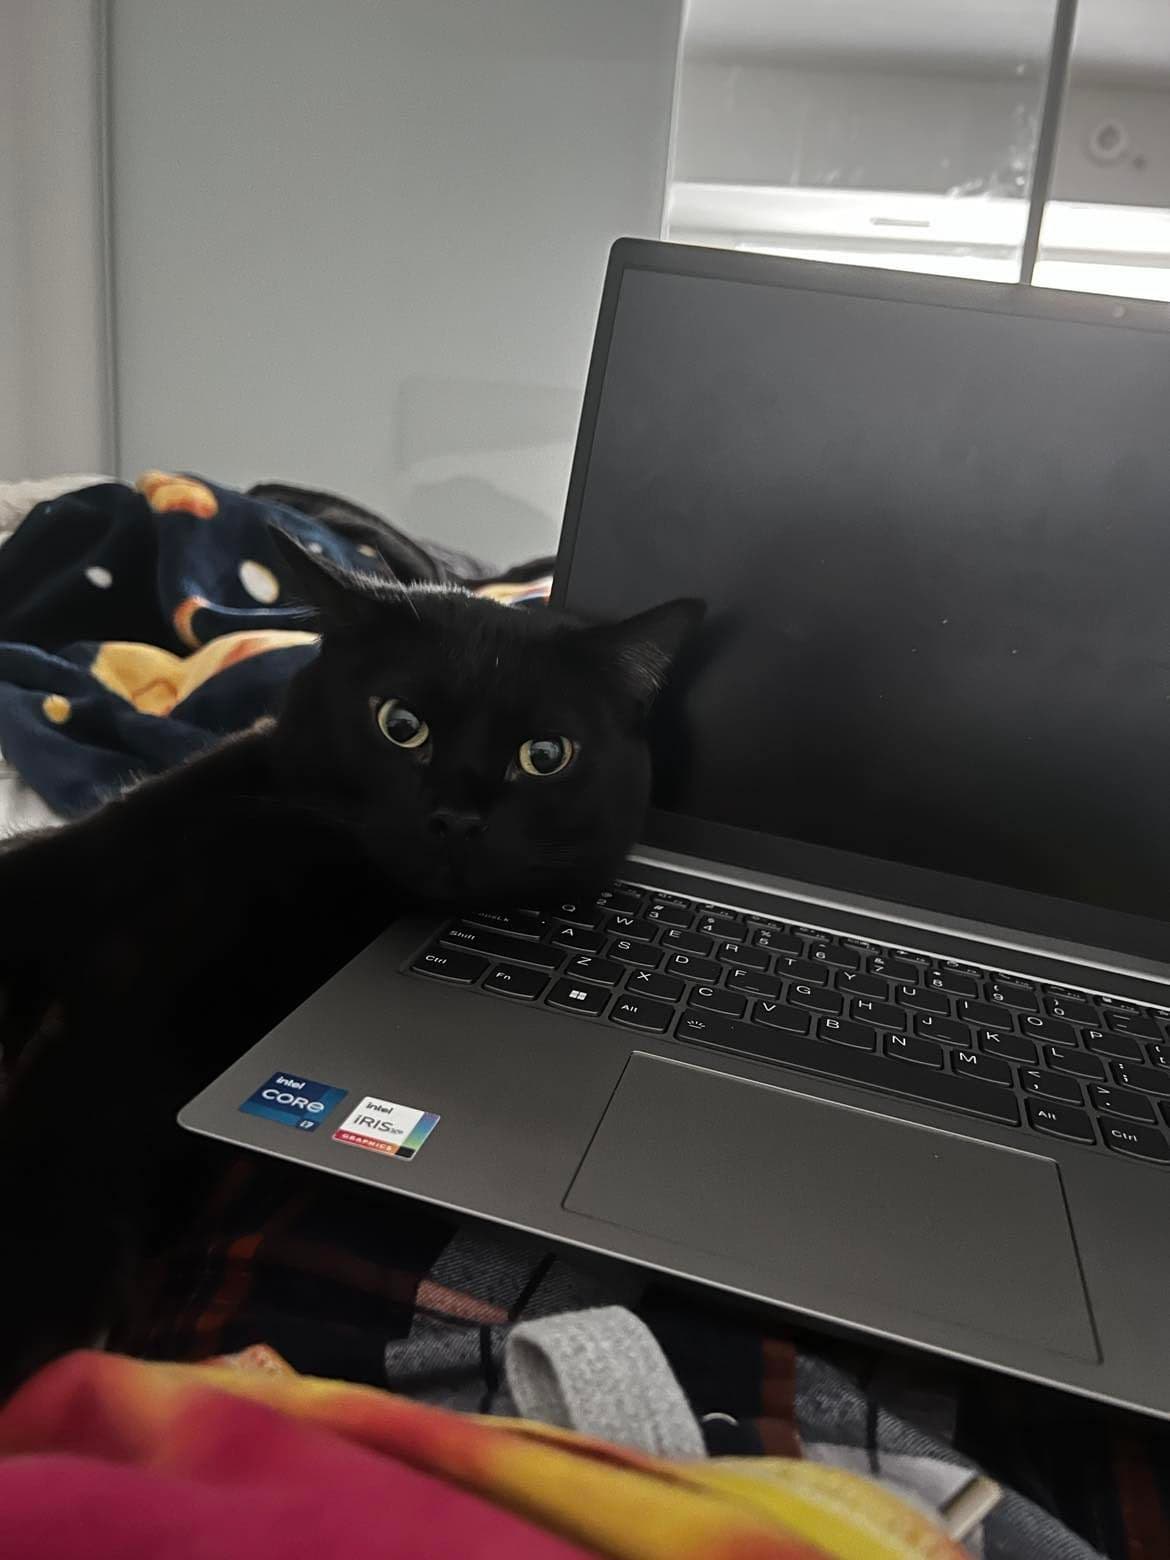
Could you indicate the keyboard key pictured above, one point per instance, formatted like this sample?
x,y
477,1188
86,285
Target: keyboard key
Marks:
x,y
635,927
693,967
1013,1048
954,985
713,999
1146,1080
687,942
1160,1055
463,968
626,951
907,1048
1072,1008
843,1031
604,971
894,969
850,1065
1121,1102
746,958
911,957
578,997
1132,1024
628,901
1012,995
802,969
638,1013
1120,1046
722,926
984,1015
1051,1086
864,986
667,914
1051,1029
974,1064
946,1029
882,1014
778,1015
1140,1142
1061,1121
839,958
518,923
578,915
499,946
778,941
579,938
752,981
816,998
648,983
1074,1062
922,999
512,980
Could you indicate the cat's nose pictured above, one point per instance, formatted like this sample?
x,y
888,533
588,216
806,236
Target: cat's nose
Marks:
x,y
456,823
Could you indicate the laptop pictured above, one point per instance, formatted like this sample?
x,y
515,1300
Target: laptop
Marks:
x,y
876,1025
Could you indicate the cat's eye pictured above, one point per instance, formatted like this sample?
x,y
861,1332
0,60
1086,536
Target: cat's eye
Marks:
x,y
402,726
546,755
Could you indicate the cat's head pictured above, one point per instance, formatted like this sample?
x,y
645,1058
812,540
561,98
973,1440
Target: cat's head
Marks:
x,y
477,752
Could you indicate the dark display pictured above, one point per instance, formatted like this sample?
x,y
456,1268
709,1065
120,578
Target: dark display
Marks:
x,y
935,545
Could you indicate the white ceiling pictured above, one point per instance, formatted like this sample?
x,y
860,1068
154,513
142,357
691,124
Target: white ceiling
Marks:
x,y
1116,39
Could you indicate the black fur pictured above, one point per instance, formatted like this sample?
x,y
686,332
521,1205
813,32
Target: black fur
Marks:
x,y
146,946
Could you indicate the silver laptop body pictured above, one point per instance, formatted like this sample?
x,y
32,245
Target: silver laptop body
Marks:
x,y
891,1013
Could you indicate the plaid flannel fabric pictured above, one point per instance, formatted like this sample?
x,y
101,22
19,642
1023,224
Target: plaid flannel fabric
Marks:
x,y
358,1285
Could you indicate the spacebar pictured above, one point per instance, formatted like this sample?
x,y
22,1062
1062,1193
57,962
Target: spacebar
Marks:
x,y
837,1061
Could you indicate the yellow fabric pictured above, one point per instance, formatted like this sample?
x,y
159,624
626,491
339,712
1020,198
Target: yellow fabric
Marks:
x,y
154,681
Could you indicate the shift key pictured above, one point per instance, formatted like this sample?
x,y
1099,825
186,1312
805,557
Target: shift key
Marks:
x,y
498,946
850,1066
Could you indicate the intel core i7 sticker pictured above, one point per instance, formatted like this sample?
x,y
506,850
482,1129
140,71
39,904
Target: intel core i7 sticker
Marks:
x,y
386,1128
293,1099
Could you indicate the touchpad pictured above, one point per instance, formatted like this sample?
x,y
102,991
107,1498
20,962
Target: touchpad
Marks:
x,y
820,1200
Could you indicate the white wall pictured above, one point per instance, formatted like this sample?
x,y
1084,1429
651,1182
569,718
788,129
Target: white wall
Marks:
x,y
360,244
53,405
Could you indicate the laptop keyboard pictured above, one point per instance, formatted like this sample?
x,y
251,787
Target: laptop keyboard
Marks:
x,y
1019,1052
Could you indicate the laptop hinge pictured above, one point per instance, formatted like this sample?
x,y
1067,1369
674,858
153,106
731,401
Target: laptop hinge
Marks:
x,y
905,918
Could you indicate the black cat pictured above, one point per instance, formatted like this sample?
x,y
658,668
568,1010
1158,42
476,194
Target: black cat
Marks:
x,y
439,749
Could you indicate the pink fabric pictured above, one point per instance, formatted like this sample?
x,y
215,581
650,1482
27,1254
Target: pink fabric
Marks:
x,y
238,1478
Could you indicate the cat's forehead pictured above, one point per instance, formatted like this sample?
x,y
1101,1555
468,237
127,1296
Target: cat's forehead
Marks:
x,y
457,647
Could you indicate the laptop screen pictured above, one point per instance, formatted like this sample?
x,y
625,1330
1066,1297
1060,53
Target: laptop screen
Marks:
x,y
935,546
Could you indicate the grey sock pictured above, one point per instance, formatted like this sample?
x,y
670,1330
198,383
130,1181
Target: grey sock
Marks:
x,y
601,1372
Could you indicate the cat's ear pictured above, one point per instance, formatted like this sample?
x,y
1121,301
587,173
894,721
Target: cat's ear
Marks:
x,y
642,649
343,598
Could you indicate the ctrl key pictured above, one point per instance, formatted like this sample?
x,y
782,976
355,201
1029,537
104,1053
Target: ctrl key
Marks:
x,y
1140,1142
446,964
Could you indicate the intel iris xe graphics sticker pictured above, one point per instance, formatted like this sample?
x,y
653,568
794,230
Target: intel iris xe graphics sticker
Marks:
x,y
387,1128
294,1100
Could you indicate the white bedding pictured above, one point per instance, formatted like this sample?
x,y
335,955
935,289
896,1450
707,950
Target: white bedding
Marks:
x,y
17,498
21,808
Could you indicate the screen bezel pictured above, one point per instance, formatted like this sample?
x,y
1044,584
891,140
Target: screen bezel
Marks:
x,y
868,876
